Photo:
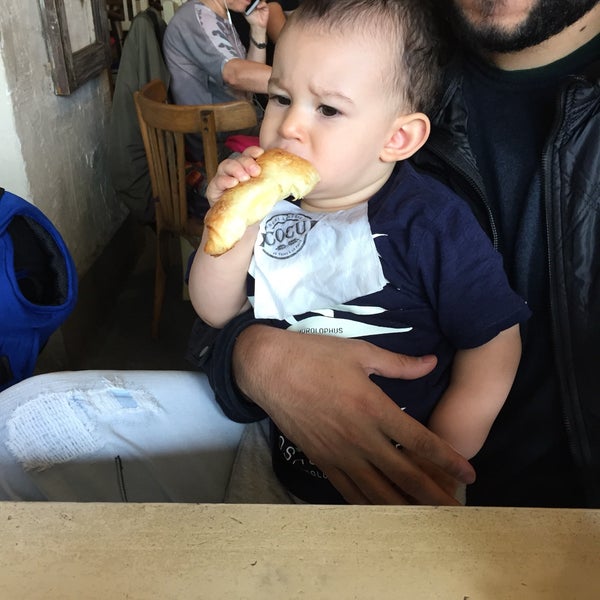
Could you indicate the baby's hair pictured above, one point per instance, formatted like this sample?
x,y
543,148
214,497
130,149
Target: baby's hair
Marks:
x,y
407,27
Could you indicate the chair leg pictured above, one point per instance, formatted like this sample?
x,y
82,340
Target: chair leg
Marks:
x,y
159,282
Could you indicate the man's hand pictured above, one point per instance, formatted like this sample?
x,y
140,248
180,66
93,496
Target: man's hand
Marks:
x,y
318,391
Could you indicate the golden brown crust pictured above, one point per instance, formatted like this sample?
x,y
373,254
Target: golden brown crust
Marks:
x,y
282,174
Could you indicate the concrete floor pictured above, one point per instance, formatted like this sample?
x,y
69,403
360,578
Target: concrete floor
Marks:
x,y
121,338
125,341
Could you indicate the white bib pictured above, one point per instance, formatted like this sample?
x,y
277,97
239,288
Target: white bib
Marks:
x,y
306,261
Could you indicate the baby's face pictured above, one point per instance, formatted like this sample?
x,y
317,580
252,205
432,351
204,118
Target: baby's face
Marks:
x,y
328,102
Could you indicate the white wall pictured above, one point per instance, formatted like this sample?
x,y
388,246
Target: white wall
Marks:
x,y
53,149
12,169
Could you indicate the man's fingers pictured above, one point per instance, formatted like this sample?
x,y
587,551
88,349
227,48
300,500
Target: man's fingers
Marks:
x,y
414,483
416,438
344,485
369,486
443,479
378,361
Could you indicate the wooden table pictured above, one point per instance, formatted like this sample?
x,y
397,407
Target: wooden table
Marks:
x,y
173,551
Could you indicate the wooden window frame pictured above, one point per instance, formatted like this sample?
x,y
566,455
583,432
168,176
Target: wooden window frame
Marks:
x,y
71,69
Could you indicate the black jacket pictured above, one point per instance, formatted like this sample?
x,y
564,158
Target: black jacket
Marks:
x,y
571,165
571,188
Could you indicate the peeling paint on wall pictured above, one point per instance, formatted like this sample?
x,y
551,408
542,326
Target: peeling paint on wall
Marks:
x,y
54,149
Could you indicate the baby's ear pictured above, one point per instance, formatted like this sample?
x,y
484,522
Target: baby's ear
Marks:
x,y
408,134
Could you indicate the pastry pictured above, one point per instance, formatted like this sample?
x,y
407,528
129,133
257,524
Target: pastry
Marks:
x,y
282,174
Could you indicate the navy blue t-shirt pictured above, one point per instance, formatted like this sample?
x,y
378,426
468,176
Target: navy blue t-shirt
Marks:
x,y
445,290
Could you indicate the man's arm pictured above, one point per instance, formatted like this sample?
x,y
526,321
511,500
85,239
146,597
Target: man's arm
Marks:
x,y
350,422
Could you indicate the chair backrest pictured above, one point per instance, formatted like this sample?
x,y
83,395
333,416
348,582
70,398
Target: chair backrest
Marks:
x,y
163,128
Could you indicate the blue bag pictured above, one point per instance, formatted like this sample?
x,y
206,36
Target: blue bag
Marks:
x,y
38,286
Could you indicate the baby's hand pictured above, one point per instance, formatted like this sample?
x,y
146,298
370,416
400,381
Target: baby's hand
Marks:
x,y
234,170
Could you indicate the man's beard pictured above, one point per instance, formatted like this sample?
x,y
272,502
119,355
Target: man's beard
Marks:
x,y
546,19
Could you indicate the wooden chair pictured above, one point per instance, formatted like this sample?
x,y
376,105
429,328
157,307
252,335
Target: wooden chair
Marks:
x,y
163,127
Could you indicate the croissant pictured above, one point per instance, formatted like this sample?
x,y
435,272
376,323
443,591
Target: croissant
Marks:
x,y
282,174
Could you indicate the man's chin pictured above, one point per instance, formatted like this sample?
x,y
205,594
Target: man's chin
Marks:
x,y
545,19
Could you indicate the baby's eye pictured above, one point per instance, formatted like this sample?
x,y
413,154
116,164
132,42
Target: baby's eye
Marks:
x,y
328,111
278,99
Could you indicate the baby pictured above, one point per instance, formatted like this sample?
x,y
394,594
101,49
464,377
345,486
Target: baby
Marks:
x,y
377,250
